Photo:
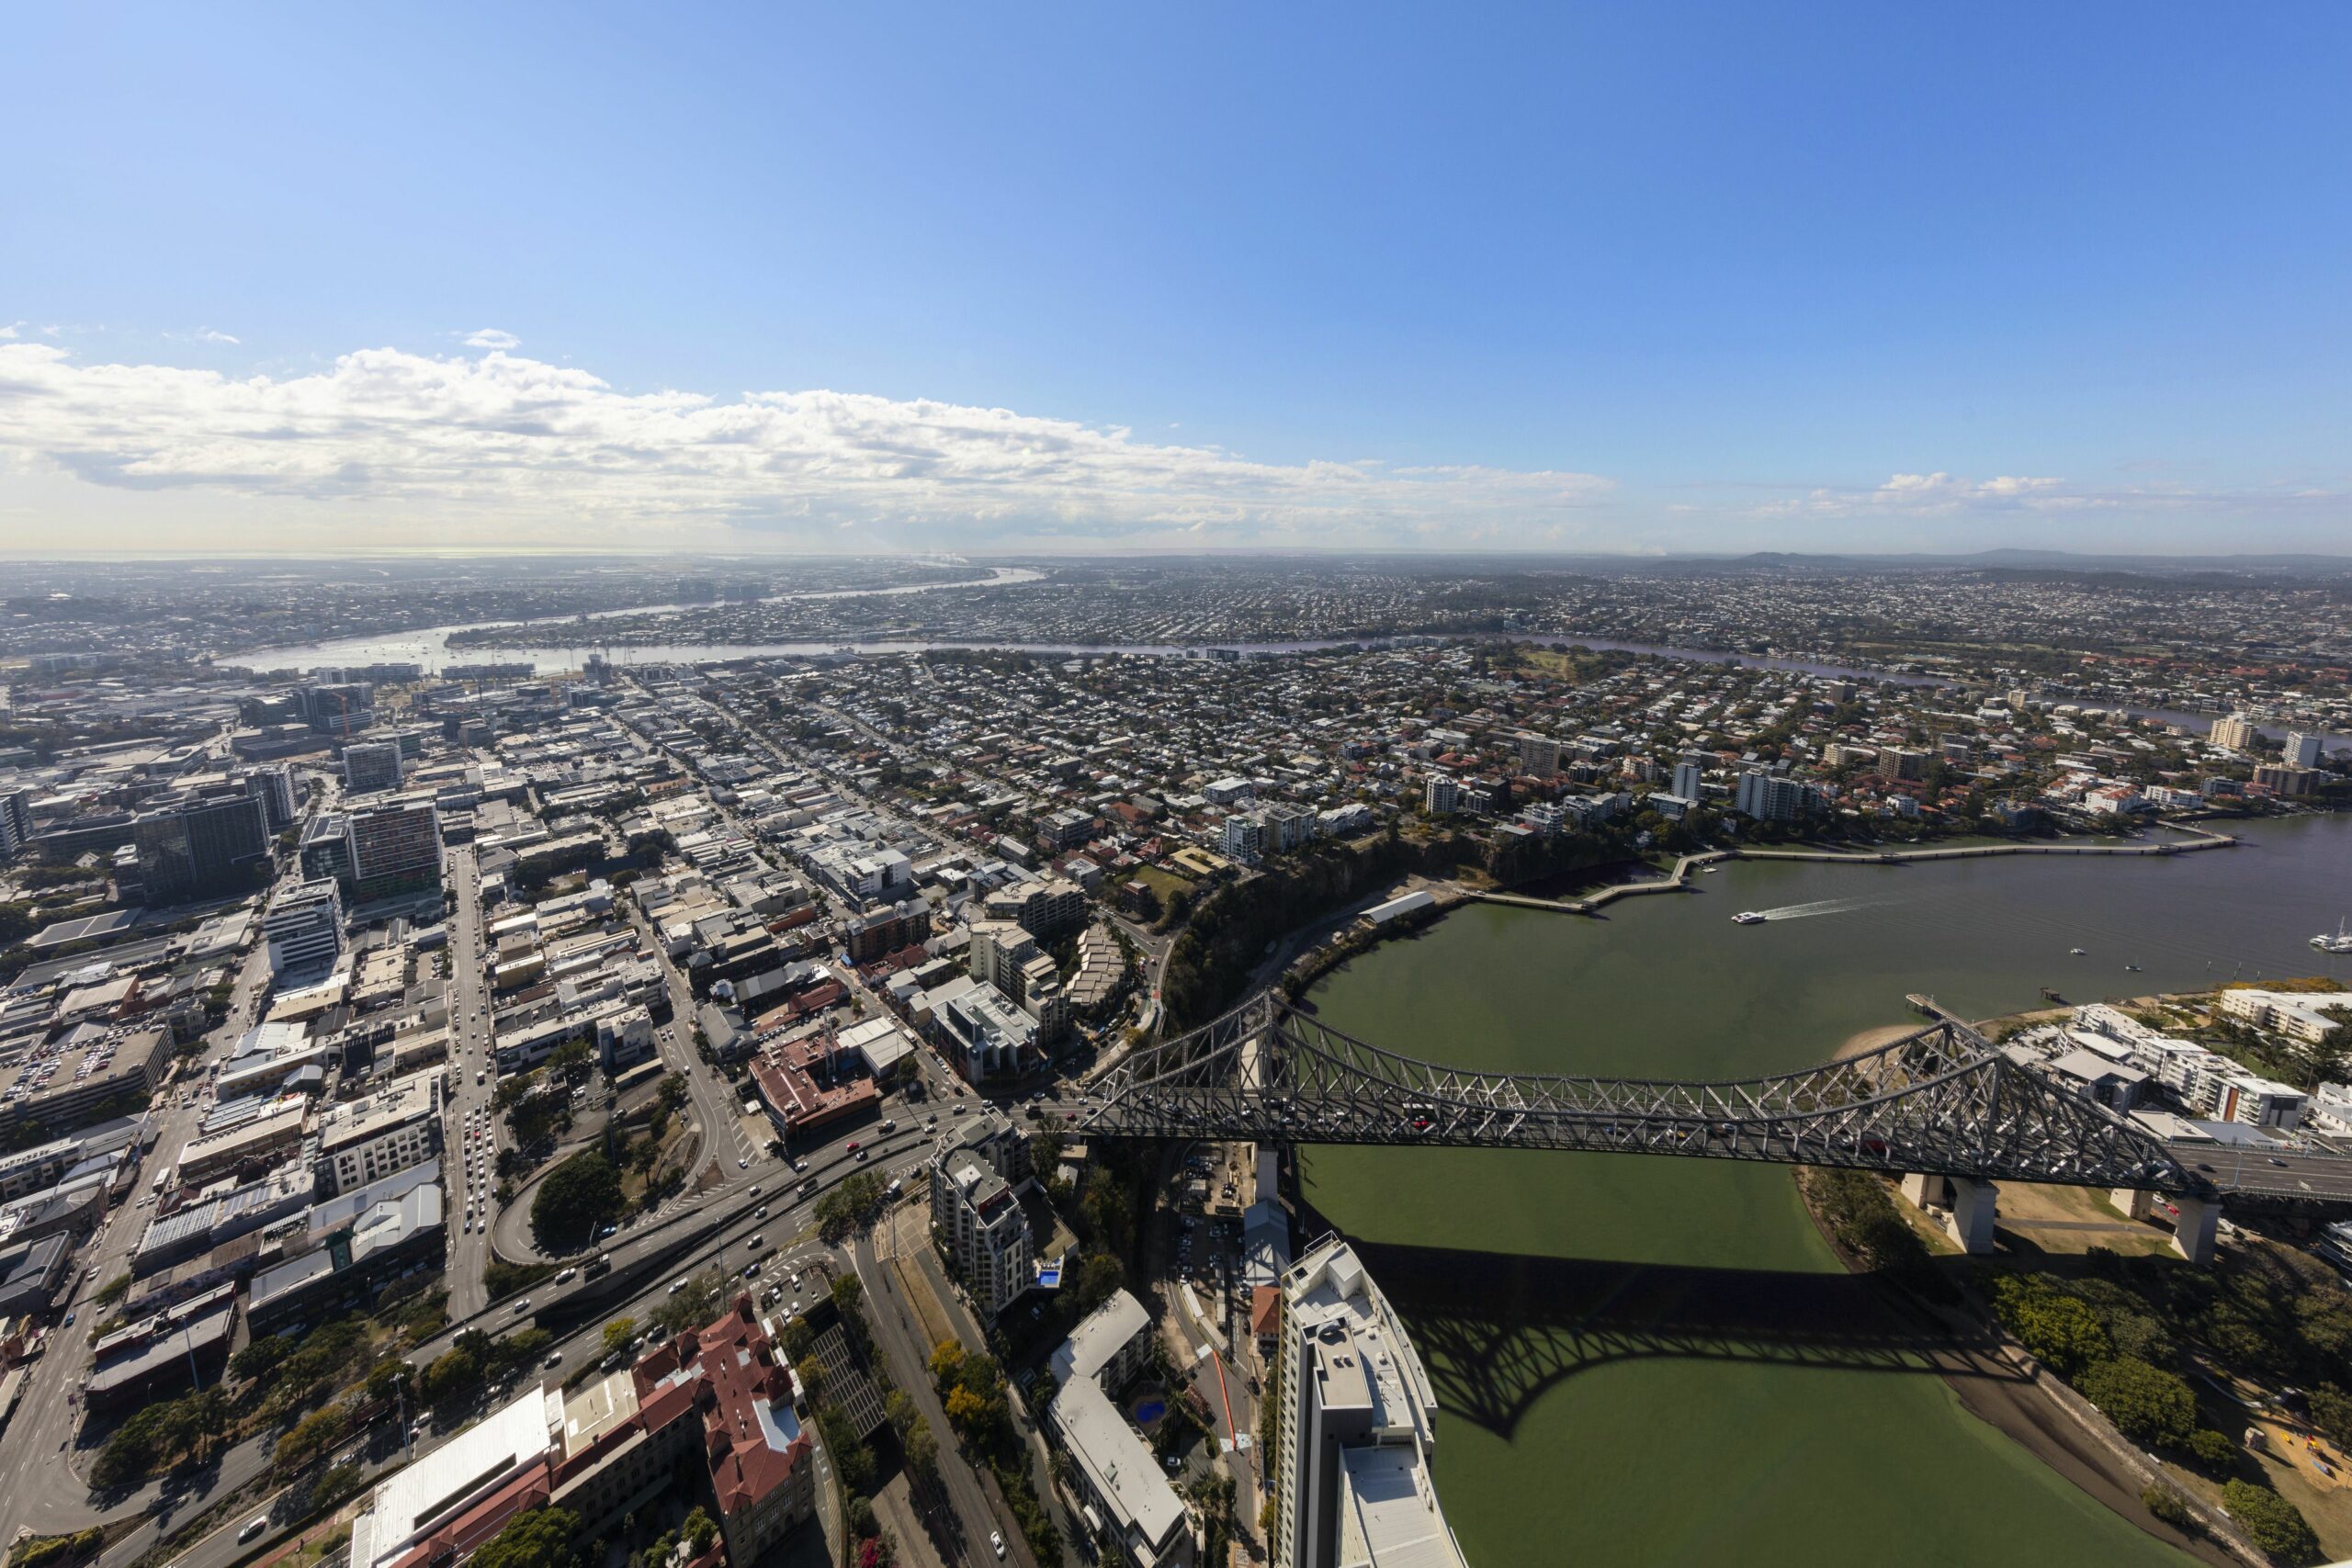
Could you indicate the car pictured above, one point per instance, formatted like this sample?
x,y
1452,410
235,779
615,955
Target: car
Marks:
x,y
743,1164
996,1542
760,1212
524,1305
755,1189
676,1285
856,1147
252,1527
2277,1161
555,1360
566,1275
861,1154
756,1243
69,1320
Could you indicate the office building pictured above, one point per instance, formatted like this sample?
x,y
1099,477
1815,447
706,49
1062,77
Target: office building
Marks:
x,y
305,928
395,847
341,708
201,849
1356,1426
371,769
2302,751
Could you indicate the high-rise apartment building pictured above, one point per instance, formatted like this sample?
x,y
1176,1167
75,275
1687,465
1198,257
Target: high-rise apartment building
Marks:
x,y
2236,732
976,1211
395,848
15,820
1357,1420
1687,776
1770,797
305,927
1442,796
371,768
2302,751
274,787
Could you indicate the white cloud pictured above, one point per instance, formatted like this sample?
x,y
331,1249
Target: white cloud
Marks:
x,y
10,330
209,335
553,451
490,337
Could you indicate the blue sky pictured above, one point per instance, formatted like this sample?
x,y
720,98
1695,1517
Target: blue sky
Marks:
x,y
1655,277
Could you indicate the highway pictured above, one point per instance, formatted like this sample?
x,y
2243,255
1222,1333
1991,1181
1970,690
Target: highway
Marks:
x,y
724,1241
469,1181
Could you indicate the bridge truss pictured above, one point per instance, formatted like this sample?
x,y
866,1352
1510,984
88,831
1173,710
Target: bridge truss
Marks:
x,y
1942,1100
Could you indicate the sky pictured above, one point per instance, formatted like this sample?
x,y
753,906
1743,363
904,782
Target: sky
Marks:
x,y
1087,278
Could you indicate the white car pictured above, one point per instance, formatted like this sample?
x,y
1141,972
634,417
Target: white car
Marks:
x,y
996,1543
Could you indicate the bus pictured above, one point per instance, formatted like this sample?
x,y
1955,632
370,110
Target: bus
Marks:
x,y
644,1072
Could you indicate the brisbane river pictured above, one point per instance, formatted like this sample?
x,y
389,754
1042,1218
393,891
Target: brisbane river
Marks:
x,y
1551,1293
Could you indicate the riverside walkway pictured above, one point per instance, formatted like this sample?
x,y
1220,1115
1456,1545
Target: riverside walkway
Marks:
x,y
1679,879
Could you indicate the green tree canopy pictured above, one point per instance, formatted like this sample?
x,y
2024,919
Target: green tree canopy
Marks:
x,y
540,1538
2271,1522
574,1200
2147,1403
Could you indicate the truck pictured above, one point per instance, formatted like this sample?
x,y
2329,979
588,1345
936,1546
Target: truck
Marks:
x,y
598,1267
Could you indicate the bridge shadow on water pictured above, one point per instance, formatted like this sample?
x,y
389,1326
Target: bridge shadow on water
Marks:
x,y
1499,1331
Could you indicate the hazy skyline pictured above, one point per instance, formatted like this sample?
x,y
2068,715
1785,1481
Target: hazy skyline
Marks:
x,y
1715,279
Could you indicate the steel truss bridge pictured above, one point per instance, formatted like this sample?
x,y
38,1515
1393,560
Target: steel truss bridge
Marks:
x,y
1942,1100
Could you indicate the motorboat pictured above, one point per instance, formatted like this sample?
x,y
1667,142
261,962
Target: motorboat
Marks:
x,y
2340,942
1748,917
2075,952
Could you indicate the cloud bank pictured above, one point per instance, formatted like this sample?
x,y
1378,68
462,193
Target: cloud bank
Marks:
x,y
493,449
527,442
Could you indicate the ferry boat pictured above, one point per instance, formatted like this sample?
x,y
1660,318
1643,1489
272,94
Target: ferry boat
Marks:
x,y
1748,917
2340,942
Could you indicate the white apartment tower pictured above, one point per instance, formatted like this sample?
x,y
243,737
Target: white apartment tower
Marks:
x,y
304,928
1357,1425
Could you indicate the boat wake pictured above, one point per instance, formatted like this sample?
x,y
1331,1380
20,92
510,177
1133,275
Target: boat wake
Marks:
x,y
1821,906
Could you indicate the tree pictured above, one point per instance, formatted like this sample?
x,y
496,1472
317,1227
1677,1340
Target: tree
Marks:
x,y
539,1537
2058,1329
899,1411
574,1200
455,1377
966,1409
570,1058
921,1446
618,1332
700,1530
313,1438
2271,1522
2147,1403
113,1291
2167,1504
262,1357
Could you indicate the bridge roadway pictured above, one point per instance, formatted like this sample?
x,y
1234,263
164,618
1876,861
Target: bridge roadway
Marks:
x,y
1940,1101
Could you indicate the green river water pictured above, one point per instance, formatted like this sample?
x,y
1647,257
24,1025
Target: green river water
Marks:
x,y
1570,1434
